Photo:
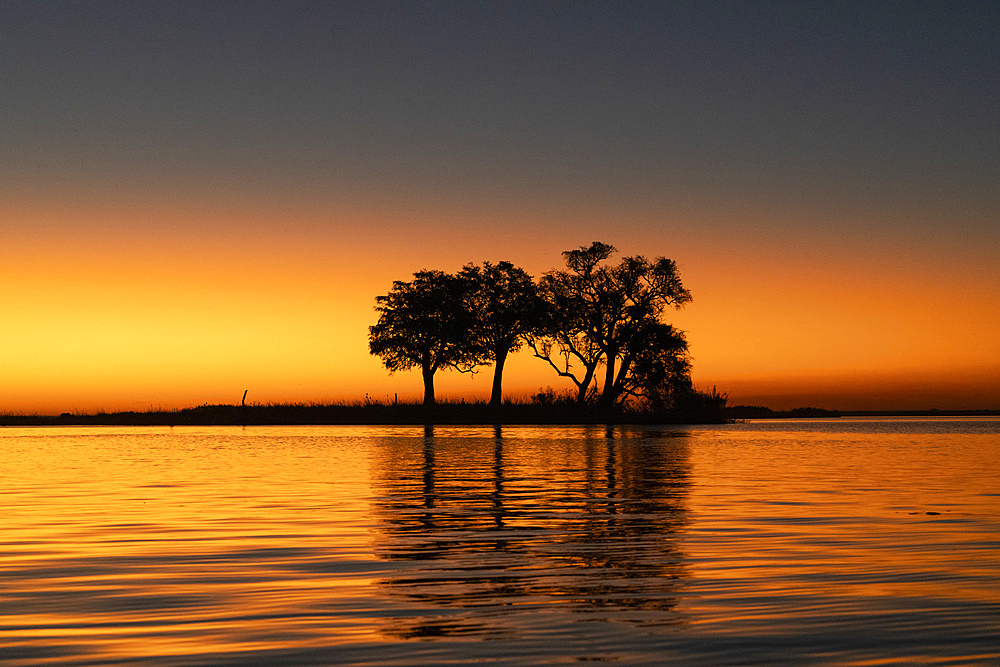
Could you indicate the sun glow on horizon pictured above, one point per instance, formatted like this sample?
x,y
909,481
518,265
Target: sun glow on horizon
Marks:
x,y
146,316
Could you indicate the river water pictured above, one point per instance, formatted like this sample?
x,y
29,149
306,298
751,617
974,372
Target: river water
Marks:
x,y
841,542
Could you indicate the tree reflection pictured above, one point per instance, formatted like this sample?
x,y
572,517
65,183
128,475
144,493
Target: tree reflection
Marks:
x,y
487,531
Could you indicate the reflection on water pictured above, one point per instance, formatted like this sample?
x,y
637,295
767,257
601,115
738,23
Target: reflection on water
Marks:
x,y
807,542
584,527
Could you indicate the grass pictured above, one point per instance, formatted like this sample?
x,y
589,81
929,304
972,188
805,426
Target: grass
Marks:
x,y
543,408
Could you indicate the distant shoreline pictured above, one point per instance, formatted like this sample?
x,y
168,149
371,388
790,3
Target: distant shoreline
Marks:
x,y
444,414
759,412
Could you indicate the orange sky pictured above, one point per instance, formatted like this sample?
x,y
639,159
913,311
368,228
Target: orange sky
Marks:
x,y
129,318
198,199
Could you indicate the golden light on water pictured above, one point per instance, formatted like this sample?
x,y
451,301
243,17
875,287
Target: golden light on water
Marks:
x,y
323,544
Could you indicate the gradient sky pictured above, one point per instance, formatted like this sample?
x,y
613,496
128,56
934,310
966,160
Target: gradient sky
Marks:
x,y
201,198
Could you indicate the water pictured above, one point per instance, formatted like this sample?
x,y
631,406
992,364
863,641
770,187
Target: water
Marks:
x,y
844,542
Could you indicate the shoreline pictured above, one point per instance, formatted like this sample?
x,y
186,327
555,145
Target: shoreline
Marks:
x,y
443,414
366,414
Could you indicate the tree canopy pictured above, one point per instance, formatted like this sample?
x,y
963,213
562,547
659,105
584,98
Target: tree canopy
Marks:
x,y
606,314
596,322
503,304
423,324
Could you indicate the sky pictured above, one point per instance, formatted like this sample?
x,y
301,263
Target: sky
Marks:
x,y
198,199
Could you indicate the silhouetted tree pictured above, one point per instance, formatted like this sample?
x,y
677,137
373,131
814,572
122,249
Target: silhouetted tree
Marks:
x,y
503,305
424,324
566,335
605,314
660,374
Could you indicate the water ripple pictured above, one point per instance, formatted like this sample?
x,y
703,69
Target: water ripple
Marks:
x,y
776,544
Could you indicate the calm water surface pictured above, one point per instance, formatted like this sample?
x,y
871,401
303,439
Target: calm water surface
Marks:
x,y
849,542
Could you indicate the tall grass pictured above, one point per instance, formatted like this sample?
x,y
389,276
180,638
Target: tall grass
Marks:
x,y
545,407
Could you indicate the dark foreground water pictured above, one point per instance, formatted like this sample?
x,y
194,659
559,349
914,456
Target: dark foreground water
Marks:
x,y
842,542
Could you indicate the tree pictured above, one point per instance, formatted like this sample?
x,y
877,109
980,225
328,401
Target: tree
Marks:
x,y
503,305
566,335
660,374
424,324
606,314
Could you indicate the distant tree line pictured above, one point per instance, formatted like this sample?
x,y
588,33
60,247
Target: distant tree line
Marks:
x,y
595,322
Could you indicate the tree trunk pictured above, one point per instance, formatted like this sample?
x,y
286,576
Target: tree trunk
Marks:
x,y
584,385
608,394
497,394
428,385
